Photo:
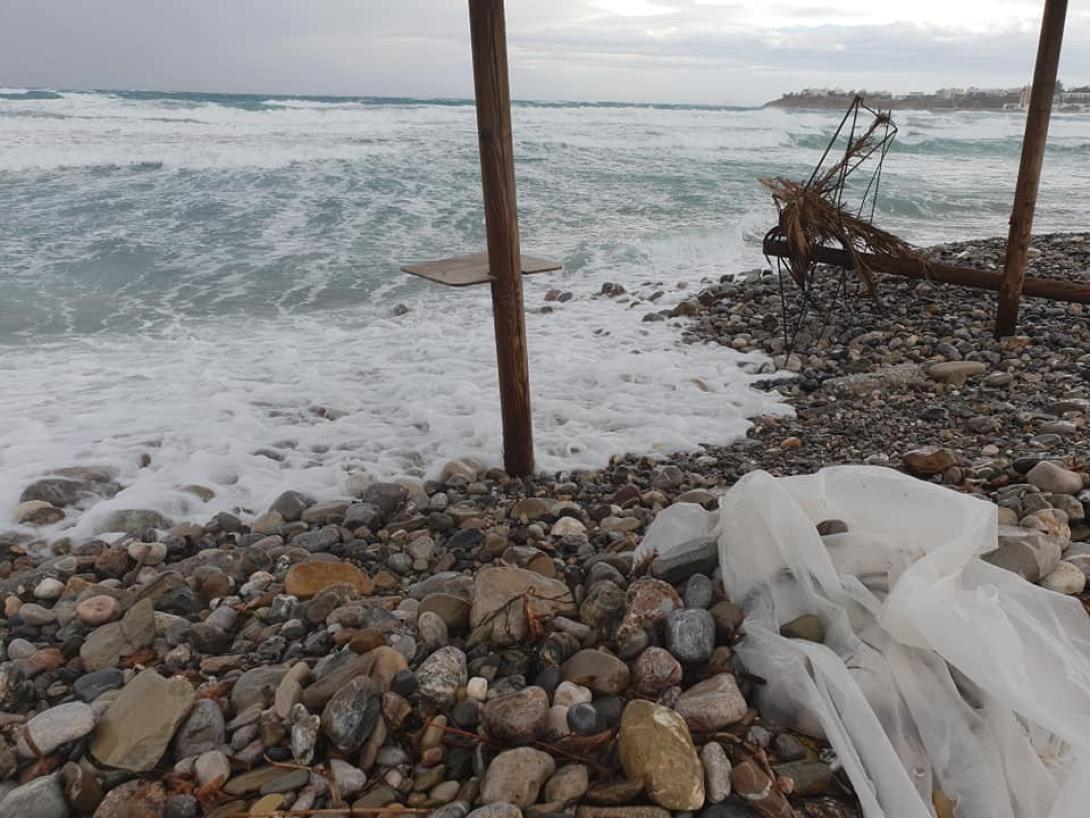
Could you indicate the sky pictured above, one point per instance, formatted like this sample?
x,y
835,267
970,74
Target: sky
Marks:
x,y
743,52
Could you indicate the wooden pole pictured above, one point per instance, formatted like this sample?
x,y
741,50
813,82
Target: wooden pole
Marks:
x,y
488,33
1029,171
1052,288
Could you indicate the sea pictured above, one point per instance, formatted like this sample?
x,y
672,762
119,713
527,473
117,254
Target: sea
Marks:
x,y
205,289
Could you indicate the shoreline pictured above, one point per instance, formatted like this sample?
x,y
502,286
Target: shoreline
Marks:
x,y
824,387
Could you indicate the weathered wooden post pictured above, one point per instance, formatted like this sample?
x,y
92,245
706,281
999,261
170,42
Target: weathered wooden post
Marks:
x,y
488,33
1029,171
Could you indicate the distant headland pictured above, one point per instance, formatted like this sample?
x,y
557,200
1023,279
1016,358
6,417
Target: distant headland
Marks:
x,y
948,99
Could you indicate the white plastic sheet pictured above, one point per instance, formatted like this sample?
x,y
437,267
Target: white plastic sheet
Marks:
x,y
938,670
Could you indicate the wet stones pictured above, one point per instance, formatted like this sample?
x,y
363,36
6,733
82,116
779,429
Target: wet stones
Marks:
x,y
36,512
290,506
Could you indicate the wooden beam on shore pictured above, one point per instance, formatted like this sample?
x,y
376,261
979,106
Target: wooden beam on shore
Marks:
x,y
1051,288
1029,170
488,34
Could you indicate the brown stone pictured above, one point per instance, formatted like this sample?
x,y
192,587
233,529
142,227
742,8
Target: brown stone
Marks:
x,y
929,461
386,663
655,747
307,579
139,724
366,640
596,669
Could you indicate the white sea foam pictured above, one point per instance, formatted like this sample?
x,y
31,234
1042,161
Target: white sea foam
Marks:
x,y
357,390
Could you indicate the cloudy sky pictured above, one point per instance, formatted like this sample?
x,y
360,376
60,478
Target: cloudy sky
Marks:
x,y
708,51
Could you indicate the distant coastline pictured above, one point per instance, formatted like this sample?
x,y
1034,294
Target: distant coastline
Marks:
x,y
1076,99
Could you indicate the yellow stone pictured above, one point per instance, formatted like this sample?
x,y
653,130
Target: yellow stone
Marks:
x,y
306,579
268,803
657,749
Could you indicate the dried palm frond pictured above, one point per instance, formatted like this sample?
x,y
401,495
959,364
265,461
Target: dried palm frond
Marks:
x,y
813,214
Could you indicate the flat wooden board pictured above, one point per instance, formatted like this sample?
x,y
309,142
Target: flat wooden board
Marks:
x,y
464,271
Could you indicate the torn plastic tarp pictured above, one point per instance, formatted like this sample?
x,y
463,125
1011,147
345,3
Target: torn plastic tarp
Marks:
x,y
938,670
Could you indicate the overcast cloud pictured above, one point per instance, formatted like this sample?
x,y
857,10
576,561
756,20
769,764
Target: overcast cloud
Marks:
x,y
708,51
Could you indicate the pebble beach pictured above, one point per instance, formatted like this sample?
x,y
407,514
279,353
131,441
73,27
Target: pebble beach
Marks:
x,y
477,645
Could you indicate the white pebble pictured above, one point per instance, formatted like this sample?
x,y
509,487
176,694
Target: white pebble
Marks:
x,y
152,553
569,694
1065,578
477,688
48,588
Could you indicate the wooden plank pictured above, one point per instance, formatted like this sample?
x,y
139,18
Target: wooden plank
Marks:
x,y
464,271
488,36
1050,288
1029,170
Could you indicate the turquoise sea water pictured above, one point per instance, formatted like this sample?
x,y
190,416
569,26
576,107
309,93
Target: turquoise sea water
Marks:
x,y
193,274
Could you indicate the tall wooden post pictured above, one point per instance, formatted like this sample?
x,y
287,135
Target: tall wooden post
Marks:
x,y
1029,171
488,33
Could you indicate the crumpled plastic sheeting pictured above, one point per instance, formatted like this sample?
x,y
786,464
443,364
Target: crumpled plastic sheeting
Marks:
x,y
938,670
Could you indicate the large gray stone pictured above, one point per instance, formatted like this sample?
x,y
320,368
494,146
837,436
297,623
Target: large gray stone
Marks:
x,y
1028,553
690,634
56,727
351,715
697,556
202,731
1055,479
255,686
41,798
